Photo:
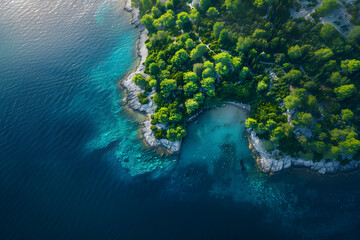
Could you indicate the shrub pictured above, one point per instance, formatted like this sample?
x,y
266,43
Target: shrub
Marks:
x,y
326,7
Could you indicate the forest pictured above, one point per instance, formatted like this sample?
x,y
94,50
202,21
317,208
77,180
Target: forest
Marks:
x,y
300,75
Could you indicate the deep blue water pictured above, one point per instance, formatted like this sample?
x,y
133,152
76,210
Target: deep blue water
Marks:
x,y
72,164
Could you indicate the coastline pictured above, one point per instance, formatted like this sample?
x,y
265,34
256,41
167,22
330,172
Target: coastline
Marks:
x,y
132,90
276,161
267,161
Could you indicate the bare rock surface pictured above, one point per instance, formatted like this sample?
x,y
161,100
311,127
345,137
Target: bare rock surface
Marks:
x,y
275,161
132,90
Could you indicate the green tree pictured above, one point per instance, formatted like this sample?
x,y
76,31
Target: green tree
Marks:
x,y
168,86
158,40
184,37
347,115
191,105
175,116
251,123
244,73
198,52
324,54
350,146
205,4
169,4
295,52
339,135
223,63
243,44
277,134
224,38
293,76
140,80
166,21
199,97
152,82
236,62
333,152
292,102
345,91
176,134
350,65
212,12
189,44
154,69
208,84
335,78
259,33
221,69
217,28
190,77
354,33
180,58
323,136
162,64
259,3
270,124
183,19
312,103
208,73
198,68
326,7
295,98
328,31
162,116
146,4
319,146
338,46
147,21
208,64
194,15
300,93
261,86
155,12
190,88
164,74
302,119
260,129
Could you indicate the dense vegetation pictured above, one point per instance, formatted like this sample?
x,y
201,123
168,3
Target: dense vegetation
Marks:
x,y
300,76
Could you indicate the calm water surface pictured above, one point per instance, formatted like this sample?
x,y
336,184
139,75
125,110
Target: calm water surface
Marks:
x,y
72,164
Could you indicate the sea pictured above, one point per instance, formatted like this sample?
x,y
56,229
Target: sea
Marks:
x,y
73,165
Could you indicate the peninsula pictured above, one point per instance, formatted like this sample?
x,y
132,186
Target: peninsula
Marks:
x,y
294,65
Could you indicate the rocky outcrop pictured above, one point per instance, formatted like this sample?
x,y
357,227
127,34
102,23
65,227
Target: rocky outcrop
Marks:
x,y
132,90
147,133
275,161
135,13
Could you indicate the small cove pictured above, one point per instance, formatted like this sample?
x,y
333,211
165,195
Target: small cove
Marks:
x,y
73,165
217,134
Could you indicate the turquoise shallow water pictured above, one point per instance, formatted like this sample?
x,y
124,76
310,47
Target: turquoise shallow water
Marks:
x,y
72,164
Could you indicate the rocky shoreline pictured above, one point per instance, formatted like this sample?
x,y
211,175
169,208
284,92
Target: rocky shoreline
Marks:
x,y
132,90
275,161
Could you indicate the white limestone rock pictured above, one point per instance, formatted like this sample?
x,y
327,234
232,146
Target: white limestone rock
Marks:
x,y
174,147
277,165
270,162
287,162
